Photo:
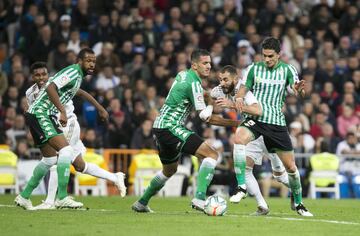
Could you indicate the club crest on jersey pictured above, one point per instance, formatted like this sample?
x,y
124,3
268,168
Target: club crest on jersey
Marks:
x,y
200,98
64,80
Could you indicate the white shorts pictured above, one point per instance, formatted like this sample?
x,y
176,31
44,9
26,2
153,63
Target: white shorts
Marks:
x,y
72,135
256,150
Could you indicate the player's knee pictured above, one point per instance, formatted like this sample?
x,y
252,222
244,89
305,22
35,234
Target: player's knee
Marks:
x,y
168,172
291,169
66,153
49,161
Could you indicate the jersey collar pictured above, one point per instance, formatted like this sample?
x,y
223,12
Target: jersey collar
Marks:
x,y
194,75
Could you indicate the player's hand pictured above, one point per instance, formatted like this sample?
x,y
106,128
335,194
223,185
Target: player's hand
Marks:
x,y
225,103
104,115
299,88
239,103
63,119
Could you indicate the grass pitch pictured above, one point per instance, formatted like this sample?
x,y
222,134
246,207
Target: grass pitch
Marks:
x,y
173,216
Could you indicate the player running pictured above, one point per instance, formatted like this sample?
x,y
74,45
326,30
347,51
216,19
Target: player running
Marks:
x,y
72,135
224,96
268,80
173,138
43,123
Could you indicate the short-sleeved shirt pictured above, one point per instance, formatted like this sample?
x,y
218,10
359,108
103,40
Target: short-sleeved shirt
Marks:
x,y
186,93
269,86
67,81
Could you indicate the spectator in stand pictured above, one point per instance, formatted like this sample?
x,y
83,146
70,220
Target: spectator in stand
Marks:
x,y
347,120
315,129
90,139
57,58
301,141
329,137
106,79
142,137
329,94
17,131
64,30
350,148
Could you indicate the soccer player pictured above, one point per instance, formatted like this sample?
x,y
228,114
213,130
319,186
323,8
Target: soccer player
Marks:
x,y
72,134
224,96
43,123
173,138
269,80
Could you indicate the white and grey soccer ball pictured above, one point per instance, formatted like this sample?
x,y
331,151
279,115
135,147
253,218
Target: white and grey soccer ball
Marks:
x,y
215,206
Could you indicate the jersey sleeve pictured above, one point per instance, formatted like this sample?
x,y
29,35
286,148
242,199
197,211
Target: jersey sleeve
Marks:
x,y
249,77
250,98
29,97
66,77
196,94
292,75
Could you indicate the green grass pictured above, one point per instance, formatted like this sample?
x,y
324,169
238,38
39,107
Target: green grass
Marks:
x,y
113,216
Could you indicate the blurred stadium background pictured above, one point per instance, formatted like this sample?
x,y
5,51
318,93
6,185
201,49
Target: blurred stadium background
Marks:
x,y
141,45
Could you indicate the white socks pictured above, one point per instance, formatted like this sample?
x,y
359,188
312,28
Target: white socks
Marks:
x,y
253,188
52,186
97,171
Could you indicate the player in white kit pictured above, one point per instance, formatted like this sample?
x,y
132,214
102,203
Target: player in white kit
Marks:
x,y
72,134
224,96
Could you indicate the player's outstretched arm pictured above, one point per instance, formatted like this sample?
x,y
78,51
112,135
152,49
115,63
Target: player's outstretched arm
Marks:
x,y
253,109
220,121
104,115
54,98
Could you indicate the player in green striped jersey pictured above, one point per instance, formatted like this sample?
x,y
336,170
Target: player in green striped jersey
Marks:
x,y
173,138
41,118
269,80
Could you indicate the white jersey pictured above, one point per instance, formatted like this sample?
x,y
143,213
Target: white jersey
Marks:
x,y
217,92
72,129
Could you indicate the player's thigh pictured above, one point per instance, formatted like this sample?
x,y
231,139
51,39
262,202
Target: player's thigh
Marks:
x,y
255,151
48,151
169,145
246,132
44,128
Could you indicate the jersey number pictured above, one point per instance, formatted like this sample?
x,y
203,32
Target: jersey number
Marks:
x,y
249,123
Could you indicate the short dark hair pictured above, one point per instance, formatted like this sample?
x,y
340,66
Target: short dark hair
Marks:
x,y
197,53
83,51
37,65
229,68
271,43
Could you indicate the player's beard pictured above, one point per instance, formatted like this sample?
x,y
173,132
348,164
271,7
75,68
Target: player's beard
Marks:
x,y
228,90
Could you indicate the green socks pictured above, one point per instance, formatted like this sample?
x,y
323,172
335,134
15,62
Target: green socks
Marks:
x,y
206,173
39,172
155,185
63,170
240,163
295,186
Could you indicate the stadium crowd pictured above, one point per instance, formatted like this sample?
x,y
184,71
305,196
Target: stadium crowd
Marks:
x,y
142,44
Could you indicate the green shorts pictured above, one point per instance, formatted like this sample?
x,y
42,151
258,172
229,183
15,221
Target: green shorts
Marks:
x,y
43,127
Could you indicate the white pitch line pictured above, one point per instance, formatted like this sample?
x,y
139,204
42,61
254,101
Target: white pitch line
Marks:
x,y
303,219
243,216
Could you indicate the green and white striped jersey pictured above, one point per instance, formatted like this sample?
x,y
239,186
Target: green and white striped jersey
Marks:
x,y
185,93
67,81
269,87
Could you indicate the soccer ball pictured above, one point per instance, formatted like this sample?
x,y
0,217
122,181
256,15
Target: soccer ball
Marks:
x,y
215,206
